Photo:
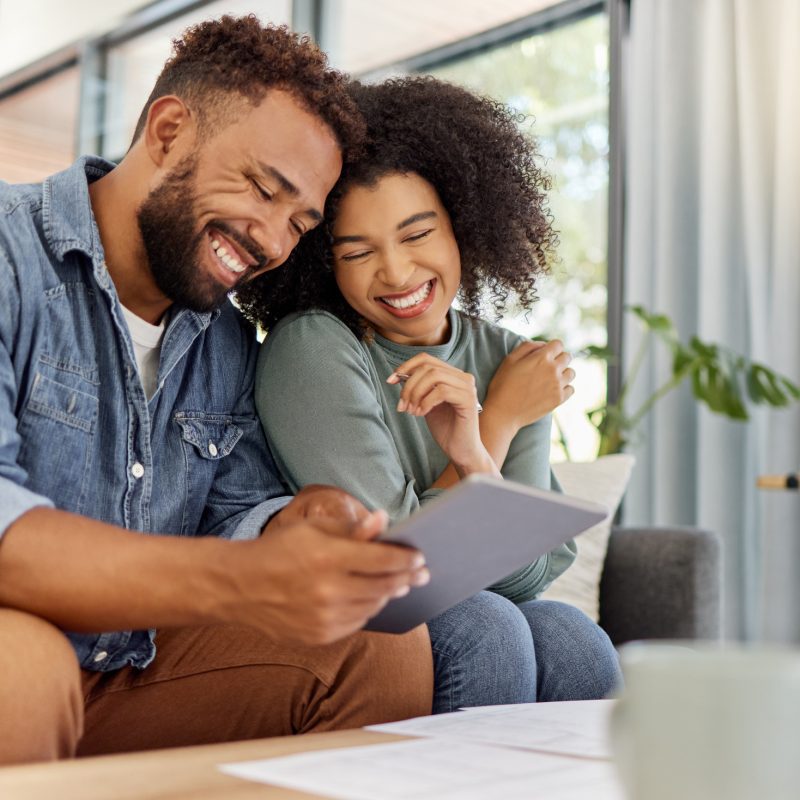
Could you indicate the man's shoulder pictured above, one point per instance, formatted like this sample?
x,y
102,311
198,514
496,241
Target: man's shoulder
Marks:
x,y
20,215
232,329
13,195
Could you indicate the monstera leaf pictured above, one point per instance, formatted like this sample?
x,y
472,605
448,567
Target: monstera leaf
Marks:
x,y
719,378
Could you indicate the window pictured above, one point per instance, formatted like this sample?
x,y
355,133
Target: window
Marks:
x,y
38,128
364,35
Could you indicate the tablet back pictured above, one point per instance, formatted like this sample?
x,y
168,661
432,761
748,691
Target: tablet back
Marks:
x,y
475,534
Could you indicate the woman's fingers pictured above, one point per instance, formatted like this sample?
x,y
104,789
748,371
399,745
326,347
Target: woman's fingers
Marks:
x,y
463,402
460,389
421,374
405,370
563,358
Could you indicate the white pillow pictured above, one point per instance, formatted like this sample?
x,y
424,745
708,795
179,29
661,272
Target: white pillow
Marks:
x,y
603,481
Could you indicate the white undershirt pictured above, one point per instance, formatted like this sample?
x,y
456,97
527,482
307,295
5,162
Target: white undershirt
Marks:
x,y
146,347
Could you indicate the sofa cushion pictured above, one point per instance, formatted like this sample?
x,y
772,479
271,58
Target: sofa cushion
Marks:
x,y
602,481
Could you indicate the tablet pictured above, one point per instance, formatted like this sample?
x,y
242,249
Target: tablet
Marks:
x,y
475,534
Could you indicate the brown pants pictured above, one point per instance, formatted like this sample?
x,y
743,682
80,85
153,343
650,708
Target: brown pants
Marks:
x,y
207,684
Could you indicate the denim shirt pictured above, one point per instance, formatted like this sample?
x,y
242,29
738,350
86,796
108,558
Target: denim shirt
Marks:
x,y
76,430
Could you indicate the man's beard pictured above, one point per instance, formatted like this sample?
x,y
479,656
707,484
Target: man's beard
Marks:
x,y
173,245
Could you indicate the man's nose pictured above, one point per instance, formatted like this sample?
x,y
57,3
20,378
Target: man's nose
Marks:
x,y
272,243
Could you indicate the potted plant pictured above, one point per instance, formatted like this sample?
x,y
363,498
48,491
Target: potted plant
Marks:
x,y
721,379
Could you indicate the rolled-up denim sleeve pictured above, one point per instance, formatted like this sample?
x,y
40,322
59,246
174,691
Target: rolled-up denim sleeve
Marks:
x,y
15,499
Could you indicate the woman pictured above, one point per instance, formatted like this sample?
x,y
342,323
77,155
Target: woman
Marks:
x,y
371,380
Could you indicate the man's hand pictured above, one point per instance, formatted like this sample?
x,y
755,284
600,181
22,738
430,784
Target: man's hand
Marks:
x,y
305,582
316,501
317,576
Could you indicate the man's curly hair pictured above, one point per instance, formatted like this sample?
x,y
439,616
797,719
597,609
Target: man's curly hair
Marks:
x,y
472,151
216,63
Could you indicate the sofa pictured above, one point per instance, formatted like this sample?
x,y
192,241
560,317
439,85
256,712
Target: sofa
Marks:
x,y
661,583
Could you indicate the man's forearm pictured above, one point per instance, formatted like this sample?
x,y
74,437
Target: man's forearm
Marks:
x,y
85,575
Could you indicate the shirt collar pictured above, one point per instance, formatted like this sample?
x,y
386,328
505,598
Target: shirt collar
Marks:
x,y
69,223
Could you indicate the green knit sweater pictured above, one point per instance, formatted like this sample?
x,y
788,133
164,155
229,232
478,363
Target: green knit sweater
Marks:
x,y
330,417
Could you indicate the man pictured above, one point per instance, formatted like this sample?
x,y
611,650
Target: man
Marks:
x,y
126,409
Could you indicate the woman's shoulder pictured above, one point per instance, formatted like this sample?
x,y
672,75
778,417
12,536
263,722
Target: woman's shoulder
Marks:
x,y
319,328
483,334
312,343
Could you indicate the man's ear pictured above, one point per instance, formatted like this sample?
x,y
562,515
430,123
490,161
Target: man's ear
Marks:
x,y
170,125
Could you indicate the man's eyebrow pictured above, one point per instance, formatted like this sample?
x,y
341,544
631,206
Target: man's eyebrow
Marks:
x,y
404,224
288,187
285,183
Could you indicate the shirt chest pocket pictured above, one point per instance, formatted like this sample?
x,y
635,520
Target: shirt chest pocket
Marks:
x,y
57,429
206,440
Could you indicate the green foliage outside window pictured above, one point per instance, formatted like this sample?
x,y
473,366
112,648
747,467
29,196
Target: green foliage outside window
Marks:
x,y
558,79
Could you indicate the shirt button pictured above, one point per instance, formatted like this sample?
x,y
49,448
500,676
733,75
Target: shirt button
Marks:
x,y
137,470
212,449
101,656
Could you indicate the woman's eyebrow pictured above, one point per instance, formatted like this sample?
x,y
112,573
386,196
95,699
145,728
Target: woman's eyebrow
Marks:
x,y
404,224
416,218
347,239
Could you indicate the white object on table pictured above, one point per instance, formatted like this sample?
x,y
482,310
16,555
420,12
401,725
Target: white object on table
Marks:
x,y
435,769
579,728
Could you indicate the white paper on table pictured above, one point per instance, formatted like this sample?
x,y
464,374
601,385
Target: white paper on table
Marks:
x,y
434,769
575,728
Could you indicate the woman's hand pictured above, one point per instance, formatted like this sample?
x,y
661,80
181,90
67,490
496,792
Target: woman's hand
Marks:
x,y
531,381
447,398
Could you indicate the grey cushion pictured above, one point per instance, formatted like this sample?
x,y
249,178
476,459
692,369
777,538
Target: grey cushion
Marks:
x,y
661,583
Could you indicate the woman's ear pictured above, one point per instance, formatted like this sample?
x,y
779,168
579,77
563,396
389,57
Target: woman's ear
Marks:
x,y
170,127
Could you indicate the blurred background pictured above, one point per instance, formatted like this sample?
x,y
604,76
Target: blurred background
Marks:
x,y
670,129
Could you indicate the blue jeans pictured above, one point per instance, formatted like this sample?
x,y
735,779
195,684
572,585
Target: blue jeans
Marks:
x,y
488,651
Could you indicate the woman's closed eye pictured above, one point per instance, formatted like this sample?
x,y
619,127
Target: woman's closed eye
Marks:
x,y
356,256
418,236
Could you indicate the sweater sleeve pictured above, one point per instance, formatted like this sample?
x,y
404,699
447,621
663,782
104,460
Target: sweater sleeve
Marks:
x,y
317,400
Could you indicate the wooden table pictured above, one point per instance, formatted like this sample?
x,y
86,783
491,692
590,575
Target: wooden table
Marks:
x,y
188,773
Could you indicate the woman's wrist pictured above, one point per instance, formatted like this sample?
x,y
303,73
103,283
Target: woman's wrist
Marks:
x,y
480,464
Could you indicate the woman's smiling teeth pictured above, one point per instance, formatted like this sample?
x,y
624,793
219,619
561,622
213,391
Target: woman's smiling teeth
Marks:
x,y
227,258
409,300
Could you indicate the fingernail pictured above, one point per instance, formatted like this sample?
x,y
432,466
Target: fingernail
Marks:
x,y
392,378
419,561
422,577
402,591
401,406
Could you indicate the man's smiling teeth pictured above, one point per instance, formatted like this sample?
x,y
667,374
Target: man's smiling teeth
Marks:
x,y
228,259
410,299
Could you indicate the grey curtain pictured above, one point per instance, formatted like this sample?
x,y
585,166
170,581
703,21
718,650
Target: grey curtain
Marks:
x,y
713,240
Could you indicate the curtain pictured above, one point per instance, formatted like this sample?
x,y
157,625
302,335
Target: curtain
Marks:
x,y
713,240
